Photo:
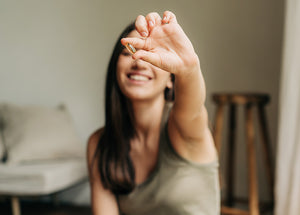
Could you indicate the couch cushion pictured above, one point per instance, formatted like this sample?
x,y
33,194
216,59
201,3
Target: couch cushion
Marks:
x,y
39,133
41,178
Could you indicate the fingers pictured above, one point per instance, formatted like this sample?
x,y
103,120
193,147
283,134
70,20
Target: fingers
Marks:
x,y
169,17
144,25
153,19
141,26
149,57
137,43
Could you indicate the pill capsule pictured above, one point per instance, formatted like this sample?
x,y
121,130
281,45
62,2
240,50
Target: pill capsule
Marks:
x,y
130,48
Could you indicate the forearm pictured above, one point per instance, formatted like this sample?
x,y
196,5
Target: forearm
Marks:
x,y
190,92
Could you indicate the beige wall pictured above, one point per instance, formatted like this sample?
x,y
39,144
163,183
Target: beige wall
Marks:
x,y
57,51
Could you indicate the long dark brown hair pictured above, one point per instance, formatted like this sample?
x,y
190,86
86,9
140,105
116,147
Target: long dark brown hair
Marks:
x,y
114,163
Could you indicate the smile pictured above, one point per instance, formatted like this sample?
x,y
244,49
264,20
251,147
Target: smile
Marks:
x,y
138,77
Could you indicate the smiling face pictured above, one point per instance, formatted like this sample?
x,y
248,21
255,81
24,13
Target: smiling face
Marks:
x,y
139,80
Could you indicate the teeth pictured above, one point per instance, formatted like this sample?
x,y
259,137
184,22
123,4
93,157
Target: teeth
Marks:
x,y
138,78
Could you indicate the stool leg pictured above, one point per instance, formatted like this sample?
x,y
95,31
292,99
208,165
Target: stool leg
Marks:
x,y
253,192
217,133
15,204
266,148
231,155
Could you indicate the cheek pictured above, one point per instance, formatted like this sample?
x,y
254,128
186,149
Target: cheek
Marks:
x,y
124,63
164,77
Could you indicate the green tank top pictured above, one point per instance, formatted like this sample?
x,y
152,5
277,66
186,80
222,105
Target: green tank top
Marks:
x,y
176,187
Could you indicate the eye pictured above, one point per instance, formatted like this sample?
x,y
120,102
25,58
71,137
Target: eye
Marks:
x,y
125,52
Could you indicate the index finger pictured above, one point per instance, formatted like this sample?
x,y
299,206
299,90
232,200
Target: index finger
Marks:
x,y
137,43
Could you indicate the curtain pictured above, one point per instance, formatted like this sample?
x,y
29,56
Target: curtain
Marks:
x,y
287,187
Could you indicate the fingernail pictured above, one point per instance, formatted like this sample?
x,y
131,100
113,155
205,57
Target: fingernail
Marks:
x,y
151,23
144,34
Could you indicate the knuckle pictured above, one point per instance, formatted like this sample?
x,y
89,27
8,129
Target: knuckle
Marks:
x,y
169,13
139,17
152,15
140,22
137,24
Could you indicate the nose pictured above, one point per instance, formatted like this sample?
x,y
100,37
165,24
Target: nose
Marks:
x,y
139,64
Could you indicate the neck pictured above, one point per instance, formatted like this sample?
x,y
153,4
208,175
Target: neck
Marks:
x,y
147,116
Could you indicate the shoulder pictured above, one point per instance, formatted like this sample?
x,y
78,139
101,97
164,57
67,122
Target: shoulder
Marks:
x,y
103,200
95,136
93,143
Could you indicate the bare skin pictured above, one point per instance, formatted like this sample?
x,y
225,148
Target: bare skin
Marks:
x,y
162,48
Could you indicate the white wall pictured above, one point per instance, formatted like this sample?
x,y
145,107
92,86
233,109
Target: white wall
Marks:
x,y
57,51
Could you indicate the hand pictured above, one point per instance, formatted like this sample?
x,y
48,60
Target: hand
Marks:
x,y
163,43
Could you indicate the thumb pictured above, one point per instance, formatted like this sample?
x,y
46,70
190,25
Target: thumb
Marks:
x,y
150,57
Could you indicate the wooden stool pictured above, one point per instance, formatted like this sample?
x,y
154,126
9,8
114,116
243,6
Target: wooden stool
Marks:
x,y
249,101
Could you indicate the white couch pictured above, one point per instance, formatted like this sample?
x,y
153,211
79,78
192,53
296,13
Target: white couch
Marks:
x,y
40,151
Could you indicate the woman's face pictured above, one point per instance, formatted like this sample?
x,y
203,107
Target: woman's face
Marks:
x,y
139,80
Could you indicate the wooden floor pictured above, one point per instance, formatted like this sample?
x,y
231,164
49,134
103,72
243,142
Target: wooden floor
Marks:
x,y
46,209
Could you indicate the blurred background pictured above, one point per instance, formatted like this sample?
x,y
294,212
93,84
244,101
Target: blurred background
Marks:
x,y
54,52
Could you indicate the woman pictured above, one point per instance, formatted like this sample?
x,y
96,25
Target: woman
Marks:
x,y
138,164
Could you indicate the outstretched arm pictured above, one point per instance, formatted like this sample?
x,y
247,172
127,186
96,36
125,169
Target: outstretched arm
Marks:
x,y
164,44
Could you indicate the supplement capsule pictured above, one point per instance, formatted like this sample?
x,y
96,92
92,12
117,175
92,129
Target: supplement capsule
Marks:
x,y
130,48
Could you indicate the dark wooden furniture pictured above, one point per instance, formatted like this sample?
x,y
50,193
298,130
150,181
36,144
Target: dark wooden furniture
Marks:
x,y
249,101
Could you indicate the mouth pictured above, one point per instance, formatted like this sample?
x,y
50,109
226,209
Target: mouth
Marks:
x,y
138,77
